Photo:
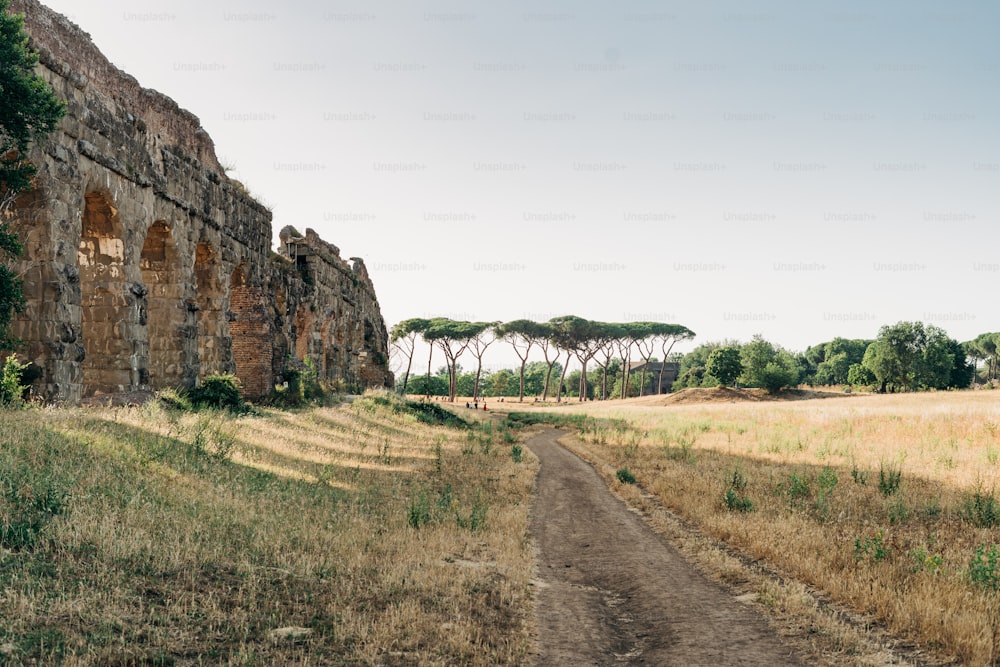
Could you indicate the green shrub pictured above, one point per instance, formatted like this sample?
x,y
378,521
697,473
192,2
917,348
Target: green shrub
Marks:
x,y
624,476
174,400
736,502
218,391
477,516
984,568
11,388
799,487
899,512
419,513
927,561
516,453
859,476
425,412
889,479
585,423
735,497
871,548
981,508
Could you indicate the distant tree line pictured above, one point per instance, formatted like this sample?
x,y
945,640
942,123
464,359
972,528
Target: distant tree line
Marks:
x,y
608,347
906,356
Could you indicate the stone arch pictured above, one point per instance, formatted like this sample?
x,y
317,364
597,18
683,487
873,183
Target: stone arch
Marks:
x,y
30,223
210,301
165,312
250,328
104,317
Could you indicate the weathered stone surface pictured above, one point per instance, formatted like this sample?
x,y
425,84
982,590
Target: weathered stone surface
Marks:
x,y
146,267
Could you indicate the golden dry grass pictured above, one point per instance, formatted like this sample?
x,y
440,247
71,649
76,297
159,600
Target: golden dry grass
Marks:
x,y
202,538
812,472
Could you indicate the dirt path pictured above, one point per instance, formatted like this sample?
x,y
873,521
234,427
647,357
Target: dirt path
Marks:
x,y
612,592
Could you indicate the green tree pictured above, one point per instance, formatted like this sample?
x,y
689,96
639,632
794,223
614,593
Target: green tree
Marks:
x,y
912,356
983,348
523,335
404,338
551,355
630,335
483,335
644,337
633,386
535,375
755,355
432,385
670,335
860,376
465,384
779,373
724,364
452,338
11,296
29,110
501,382
767,366
834,360
692,370
576,336
963,371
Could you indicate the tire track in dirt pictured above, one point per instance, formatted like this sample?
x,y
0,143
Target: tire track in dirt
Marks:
x,y
610,591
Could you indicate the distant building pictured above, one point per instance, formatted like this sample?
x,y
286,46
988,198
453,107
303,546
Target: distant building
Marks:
x,y
670,371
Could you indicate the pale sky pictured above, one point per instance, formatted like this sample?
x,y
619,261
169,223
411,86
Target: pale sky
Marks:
x,y
800,170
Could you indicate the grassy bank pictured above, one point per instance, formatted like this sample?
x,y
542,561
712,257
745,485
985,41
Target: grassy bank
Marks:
x,y
887,505
361,534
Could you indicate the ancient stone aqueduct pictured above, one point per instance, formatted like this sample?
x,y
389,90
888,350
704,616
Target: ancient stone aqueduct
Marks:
x,y
147,268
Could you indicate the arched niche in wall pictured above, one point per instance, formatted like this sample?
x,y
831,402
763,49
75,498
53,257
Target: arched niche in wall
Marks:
x,y
210,309
165,312
107,366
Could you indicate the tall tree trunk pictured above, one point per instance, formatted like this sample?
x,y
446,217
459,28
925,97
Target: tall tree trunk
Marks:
x,y
626,372
548,378
475,389
427,386
452,382
520,394
409,365
562,379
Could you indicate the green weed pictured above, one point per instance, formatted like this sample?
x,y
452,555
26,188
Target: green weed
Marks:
x,y
872,549
625,476
735,497
980,508
889,479
984,568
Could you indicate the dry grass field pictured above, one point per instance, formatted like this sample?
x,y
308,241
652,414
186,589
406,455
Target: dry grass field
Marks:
x,y
884,504
350,535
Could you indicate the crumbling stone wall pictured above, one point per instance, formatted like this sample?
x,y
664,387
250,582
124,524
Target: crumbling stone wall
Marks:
x,y
334,313
147,268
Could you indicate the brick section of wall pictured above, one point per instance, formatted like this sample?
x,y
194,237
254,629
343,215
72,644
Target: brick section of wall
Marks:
x,y
250,329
